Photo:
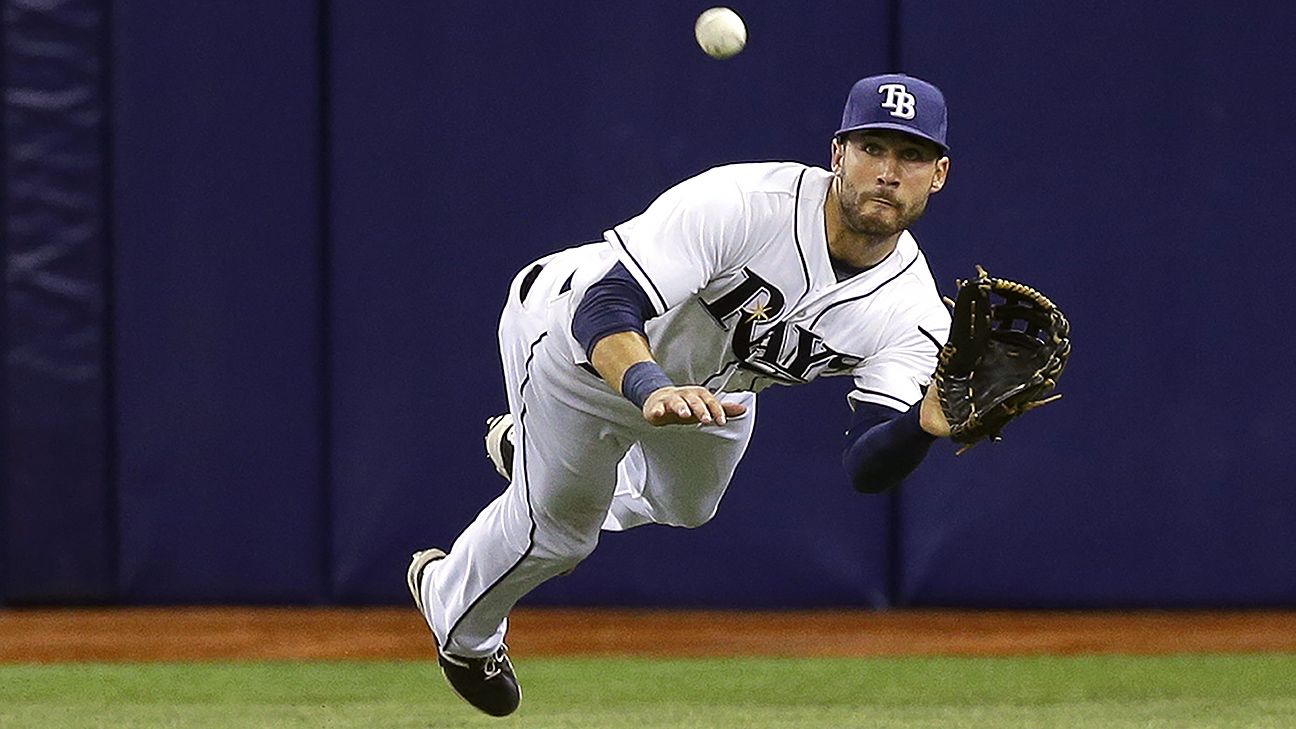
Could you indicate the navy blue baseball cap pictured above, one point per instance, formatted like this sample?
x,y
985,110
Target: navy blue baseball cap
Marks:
x,y
896,101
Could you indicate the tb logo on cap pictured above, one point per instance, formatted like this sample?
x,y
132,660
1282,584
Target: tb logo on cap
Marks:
x,y
898,100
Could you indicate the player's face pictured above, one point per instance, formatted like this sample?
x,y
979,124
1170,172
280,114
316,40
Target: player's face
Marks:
x,y
884,179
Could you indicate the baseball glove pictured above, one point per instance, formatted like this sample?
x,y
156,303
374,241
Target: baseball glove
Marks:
x,y
1007,347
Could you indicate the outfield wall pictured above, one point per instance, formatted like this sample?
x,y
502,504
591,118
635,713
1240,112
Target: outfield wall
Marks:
x,y
255,252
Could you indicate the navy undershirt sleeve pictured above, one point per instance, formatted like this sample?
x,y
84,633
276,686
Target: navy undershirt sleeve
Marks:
x,y
613,304
884,446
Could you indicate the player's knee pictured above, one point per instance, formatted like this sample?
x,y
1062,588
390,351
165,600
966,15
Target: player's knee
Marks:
x,y
693,517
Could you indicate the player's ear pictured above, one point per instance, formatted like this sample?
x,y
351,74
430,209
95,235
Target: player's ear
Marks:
x,y
941,174
838,149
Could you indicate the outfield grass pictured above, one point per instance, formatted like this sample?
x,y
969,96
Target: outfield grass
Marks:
x,y
1098,691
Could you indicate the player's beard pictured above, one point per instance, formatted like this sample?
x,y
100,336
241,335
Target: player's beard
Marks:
x,y
865,217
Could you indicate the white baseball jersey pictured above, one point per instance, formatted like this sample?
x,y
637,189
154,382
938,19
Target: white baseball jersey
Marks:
x,y
735,262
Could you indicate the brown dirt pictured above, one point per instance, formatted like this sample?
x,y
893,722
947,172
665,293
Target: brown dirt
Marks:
x,y
149,634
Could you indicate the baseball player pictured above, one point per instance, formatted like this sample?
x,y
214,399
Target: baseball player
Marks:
x,y
632,364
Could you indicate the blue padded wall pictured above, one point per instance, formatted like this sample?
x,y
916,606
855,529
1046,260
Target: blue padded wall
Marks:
x,y
218,321
256,252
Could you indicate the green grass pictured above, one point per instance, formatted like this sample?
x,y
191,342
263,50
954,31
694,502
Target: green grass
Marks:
x,y
1095,691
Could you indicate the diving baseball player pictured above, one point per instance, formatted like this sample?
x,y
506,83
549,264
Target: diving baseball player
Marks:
x,y
632,364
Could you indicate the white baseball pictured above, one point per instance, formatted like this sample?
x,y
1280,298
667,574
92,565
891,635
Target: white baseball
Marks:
x,y
720,32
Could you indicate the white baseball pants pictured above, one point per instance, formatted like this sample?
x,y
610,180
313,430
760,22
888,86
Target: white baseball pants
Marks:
x,y
584,460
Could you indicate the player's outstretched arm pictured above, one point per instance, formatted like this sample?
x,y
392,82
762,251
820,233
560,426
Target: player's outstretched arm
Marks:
x,y
626,363
883,446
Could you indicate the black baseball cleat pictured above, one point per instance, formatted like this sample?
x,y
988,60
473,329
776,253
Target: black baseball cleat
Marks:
x,y
488,683
499,444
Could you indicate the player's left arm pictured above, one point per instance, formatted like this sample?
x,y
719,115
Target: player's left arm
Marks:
x,y
884,446
896,416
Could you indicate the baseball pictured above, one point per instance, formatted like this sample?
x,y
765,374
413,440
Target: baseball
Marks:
x,y
720,32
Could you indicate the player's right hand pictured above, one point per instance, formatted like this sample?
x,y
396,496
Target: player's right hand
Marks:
x,y
688,405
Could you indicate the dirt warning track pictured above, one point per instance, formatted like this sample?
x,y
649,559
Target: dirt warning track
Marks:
x,y
182,634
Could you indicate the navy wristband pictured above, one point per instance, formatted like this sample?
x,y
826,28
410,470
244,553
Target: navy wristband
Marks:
x,y
643,379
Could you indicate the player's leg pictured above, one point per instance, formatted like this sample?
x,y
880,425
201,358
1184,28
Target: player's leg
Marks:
x,y
677,475
548,518
544,523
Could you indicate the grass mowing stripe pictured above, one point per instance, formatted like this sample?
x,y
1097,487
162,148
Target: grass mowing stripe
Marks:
x,y
1089,691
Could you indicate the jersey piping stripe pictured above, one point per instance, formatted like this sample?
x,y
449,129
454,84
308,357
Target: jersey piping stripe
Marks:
x,y
521,453
882,394
933,339
796,236
863,296
660,301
